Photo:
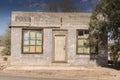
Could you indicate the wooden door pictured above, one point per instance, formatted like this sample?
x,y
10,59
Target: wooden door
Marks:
x,y
59,48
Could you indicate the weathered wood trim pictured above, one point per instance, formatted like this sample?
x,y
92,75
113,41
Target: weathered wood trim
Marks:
x,y
33,27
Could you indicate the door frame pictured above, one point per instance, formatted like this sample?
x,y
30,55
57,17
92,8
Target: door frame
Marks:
x,y
53,56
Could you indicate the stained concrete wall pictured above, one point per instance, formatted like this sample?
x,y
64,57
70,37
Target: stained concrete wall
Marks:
x,y
46,57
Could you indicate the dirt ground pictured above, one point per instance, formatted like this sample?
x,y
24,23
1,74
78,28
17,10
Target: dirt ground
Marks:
x,y
98,73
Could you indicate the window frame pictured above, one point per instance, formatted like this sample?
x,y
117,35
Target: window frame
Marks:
x,y
81,38
29,42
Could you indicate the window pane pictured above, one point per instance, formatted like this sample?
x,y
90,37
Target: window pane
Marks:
x,y
38,42
80,42
86,32
26,41
39,35
86,36
32,41
32,34
38,48
86,43
79,37
80,34
80,50
26,49
26,34
26,38
86,50
32,48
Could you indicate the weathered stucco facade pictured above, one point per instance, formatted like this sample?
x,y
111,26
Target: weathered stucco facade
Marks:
x,y
52,24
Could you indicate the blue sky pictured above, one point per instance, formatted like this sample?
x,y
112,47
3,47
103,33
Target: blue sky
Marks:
x,y
7,6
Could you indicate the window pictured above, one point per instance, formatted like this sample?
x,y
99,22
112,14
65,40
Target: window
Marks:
x,y
32,41
83,42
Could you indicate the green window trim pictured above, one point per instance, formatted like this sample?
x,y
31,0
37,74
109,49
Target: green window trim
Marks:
x,y
32,42
82,42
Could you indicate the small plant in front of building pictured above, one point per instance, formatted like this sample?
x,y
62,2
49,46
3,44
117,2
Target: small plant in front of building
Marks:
x,y
5,58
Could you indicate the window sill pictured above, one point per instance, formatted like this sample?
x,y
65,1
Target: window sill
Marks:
x,y
82,53
31,53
